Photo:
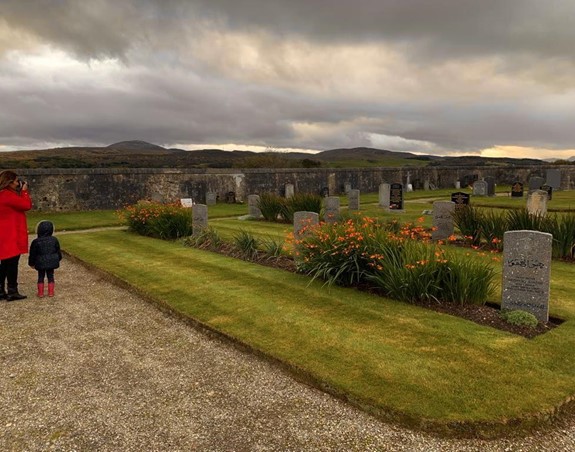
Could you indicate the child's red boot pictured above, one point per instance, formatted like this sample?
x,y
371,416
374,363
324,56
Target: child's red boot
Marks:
x,y
51,289
40,290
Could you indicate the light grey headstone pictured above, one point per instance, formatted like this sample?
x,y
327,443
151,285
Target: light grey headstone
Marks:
x,y
480,188
554,178
187,202
535,183
442,219
457,184
253,206
289,190
409,188
384,191
353,199
331,209
526,272
537,202
426,186
346,187
211,198
199,218
302,222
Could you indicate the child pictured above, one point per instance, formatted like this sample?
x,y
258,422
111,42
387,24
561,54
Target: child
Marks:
x,y
45,256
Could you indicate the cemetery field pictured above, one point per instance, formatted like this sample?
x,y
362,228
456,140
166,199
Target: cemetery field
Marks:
x,y
403,362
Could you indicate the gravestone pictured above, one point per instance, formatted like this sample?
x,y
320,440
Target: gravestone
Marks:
x,y
457,184
346,187
188,203
231,197
553,178
426,186
254,206
331,212
384,190
535,182
289,190
490,185
549,190
199,218
211,198
302,222
517,190
324,192
331,184
396,197
480,188
526,272
442,219
468,180
537,202
353,199
460,199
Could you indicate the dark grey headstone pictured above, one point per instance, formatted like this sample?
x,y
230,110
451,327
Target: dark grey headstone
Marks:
x,y
490,185
480,188
460,199
549,190
211,198
517,190
527,272
396,197
535,183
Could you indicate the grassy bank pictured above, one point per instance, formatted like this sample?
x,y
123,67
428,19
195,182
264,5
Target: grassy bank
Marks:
x,y
421,366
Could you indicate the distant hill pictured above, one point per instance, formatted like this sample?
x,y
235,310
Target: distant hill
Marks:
x,y
141,154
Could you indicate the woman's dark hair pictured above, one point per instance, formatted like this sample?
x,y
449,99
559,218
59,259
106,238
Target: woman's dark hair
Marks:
x,y
6,177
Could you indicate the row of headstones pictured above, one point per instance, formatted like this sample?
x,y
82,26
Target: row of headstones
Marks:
x,y
486,187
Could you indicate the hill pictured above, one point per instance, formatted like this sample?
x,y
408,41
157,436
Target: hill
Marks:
x,y
141,154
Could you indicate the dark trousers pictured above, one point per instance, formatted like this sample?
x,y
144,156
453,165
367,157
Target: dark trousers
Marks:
x,y
9,273
49,273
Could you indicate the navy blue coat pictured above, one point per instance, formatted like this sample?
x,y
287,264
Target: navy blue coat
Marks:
x,y
45,251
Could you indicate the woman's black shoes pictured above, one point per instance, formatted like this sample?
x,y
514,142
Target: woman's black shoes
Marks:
x,y
13,296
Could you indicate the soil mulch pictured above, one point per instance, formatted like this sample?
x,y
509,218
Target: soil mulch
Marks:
x,y
488,314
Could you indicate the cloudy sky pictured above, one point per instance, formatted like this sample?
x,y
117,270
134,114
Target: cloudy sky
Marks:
x,y
489,77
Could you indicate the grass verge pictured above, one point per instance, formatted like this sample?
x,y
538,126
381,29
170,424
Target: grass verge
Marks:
x,y
399,361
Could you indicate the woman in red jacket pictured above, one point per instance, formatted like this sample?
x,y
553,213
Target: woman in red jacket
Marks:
x,y
14,202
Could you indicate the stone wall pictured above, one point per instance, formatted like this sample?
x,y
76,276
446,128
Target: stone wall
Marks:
x,y
90,189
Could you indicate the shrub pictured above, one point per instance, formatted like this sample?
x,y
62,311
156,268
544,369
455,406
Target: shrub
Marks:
x,y
246,244
272,248
521,219
563,229
207,239
468,220
164,221
492,226
301,202
520,318
271,206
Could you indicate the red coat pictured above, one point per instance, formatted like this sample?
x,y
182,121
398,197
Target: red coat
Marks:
x,y
13,226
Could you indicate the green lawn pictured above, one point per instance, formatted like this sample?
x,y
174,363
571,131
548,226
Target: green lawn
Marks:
x,y
420,367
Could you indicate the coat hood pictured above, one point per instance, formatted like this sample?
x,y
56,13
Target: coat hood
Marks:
x,y
45,228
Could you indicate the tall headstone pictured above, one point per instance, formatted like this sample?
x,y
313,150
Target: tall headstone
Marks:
x,y
384,191
331,184
457,185
426,185
199,218
396,197
211,198
537,202
331,213
302,223
353,199
480,188
517,190
442,220
460,199
289,190
536,182
490,185
527,272
346,187
254,206
554,178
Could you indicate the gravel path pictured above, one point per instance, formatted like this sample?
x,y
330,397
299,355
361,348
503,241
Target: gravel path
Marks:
x,y
98,368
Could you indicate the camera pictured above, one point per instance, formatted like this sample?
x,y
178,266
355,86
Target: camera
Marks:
x,y
21,183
